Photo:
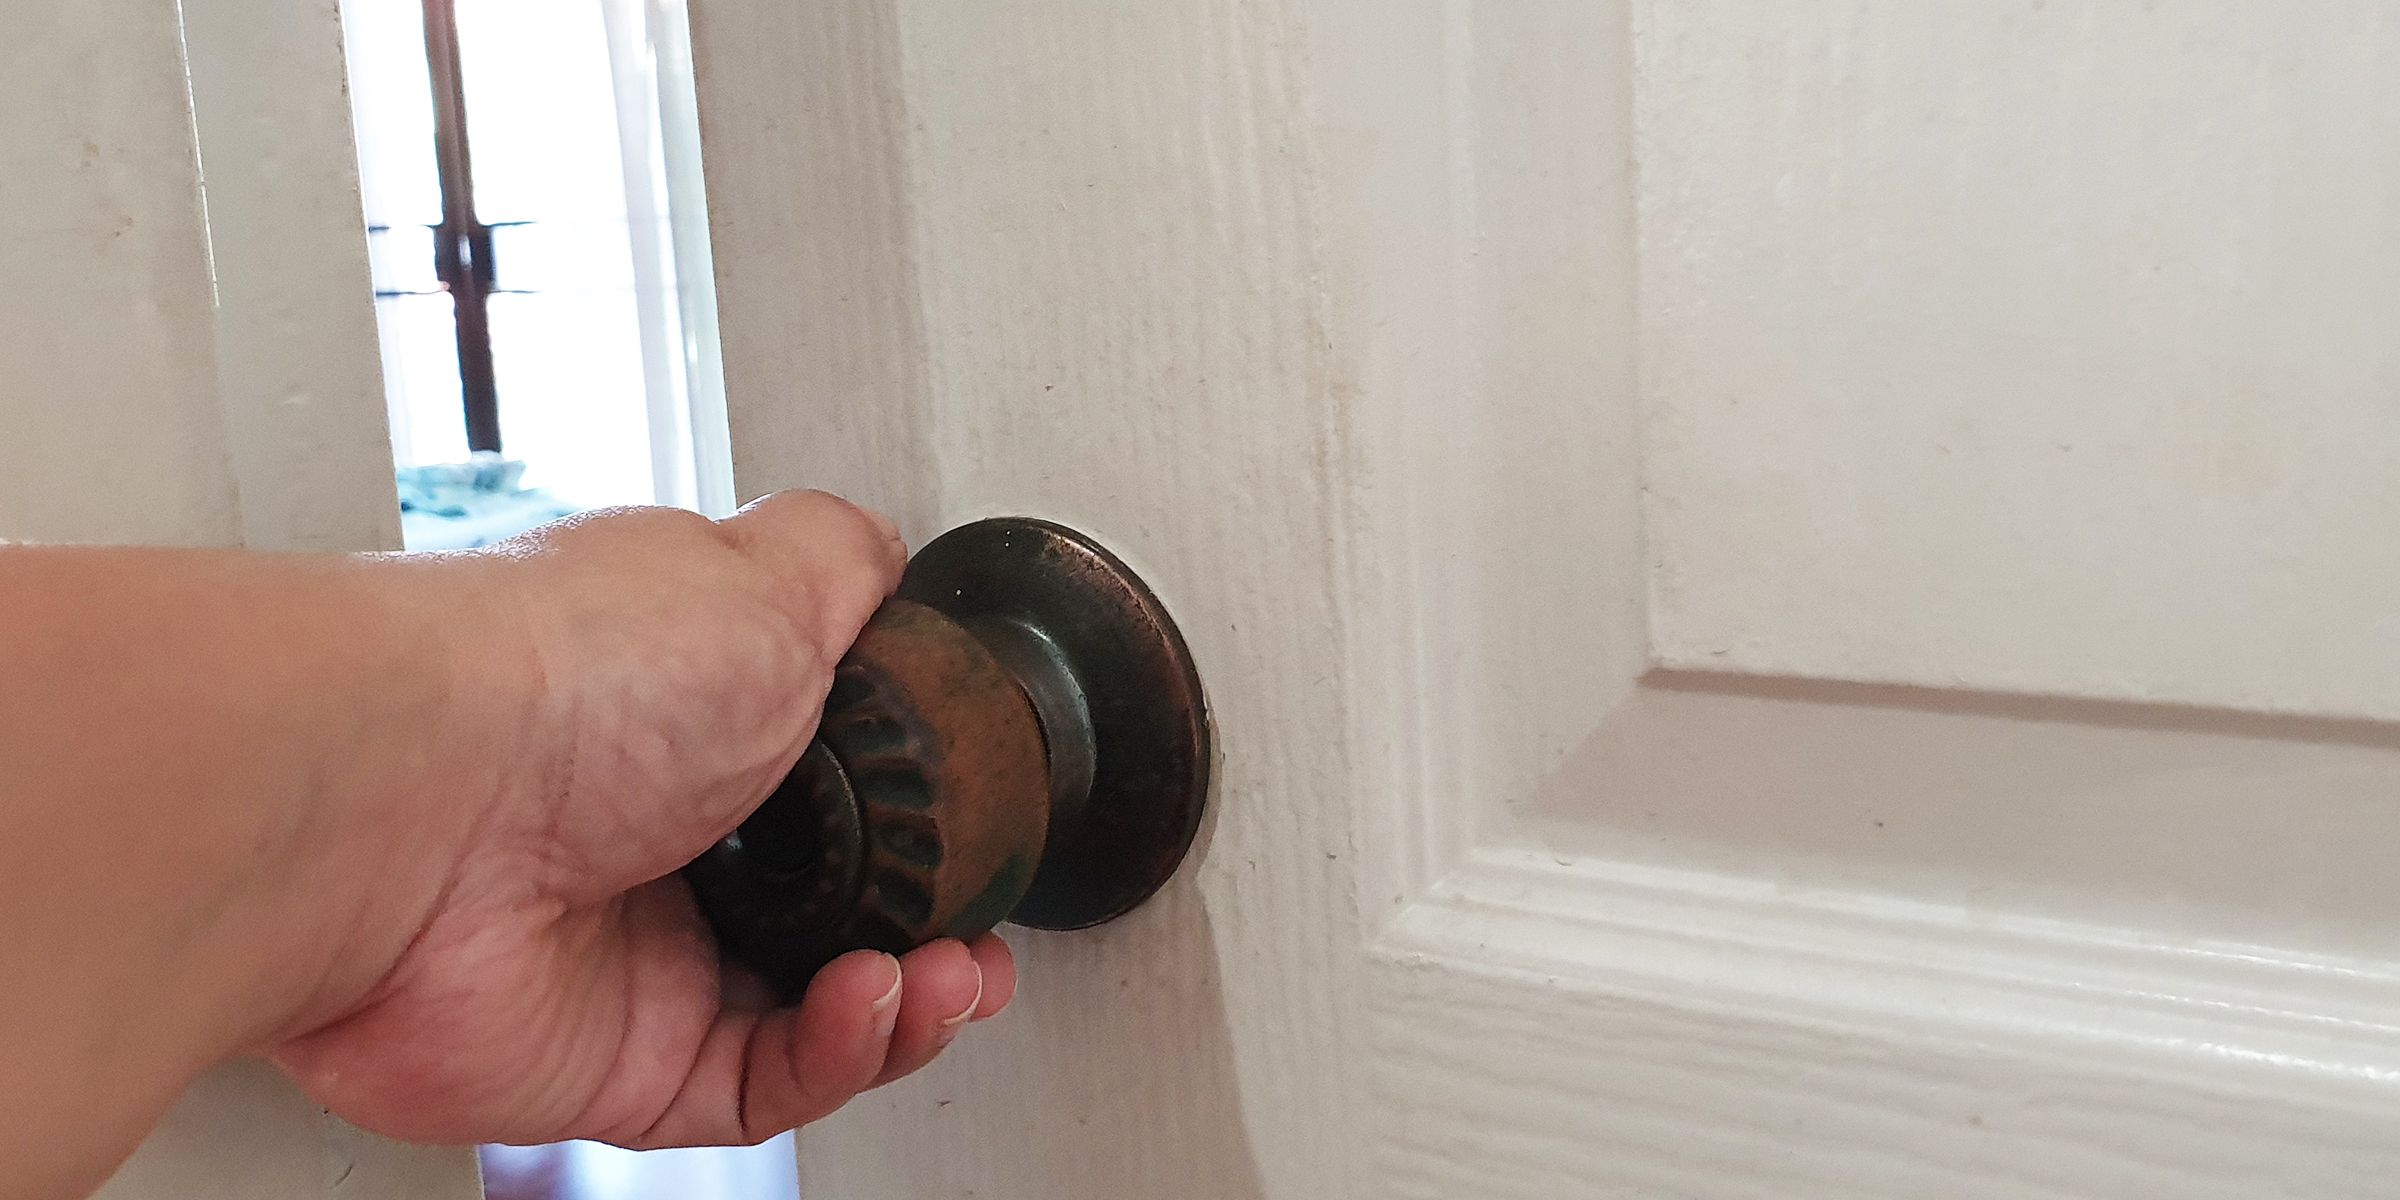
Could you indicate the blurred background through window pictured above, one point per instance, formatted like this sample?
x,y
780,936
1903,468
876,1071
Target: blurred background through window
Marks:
x,y
536,214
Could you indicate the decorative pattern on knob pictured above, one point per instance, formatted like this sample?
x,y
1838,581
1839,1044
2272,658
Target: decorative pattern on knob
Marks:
x,y
1018,734
919,812
944,753
779,891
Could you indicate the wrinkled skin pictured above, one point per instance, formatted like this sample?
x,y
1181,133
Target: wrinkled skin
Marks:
x,y
641,680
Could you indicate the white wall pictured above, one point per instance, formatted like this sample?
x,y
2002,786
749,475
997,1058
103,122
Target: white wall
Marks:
x,y
110,429
186,363
145,400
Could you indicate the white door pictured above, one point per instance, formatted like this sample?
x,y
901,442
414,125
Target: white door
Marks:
x,y
1800,599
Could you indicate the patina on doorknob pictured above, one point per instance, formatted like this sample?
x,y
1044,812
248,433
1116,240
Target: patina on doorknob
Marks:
x,y
1018,734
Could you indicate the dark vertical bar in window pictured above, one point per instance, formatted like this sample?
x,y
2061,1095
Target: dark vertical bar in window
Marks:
x,y
462,245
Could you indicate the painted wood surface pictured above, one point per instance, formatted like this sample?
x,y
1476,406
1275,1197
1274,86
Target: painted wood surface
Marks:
x,y
2081,317
1652,765
245,1133
114,430
296,359
190,360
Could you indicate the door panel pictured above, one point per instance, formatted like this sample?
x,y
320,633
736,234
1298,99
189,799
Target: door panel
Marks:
x,y
2033,349
1687,726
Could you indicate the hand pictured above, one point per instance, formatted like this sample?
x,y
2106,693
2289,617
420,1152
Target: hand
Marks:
x,y
630,685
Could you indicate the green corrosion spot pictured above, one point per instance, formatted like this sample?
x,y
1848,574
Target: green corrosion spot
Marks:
x,y
992,905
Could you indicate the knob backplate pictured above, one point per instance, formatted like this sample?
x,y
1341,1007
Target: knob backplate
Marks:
x,y
1064,597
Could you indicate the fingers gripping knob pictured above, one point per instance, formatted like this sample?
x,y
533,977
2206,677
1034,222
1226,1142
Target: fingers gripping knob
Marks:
x,y
1018,734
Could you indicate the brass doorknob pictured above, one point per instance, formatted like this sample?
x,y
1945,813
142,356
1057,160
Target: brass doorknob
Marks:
x,y
1018,734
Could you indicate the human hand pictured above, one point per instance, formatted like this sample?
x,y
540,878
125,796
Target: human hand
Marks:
x,y
628,686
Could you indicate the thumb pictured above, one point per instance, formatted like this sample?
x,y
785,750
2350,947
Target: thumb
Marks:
x,y
833,562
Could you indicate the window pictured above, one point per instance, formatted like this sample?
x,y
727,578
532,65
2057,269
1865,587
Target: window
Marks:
x,y
539,241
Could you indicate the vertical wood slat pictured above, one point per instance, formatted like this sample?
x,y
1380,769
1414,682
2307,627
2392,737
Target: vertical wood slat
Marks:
x,y
195,364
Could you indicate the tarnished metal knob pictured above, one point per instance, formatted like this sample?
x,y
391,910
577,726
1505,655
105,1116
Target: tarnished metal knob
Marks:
x,y
1017,735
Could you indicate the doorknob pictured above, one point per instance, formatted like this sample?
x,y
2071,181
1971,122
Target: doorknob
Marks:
x,y
1018,734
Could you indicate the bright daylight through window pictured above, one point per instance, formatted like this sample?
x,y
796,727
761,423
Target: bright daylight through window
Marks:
x,y
535,212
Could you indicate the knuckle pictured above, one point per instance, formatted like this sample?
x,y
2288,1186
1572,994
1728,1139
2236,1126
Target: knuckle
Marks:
x,y
821,517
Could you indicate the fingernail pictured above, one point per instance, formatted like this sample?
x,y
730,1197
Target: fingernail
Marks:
x,y
948,1028
887,1008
